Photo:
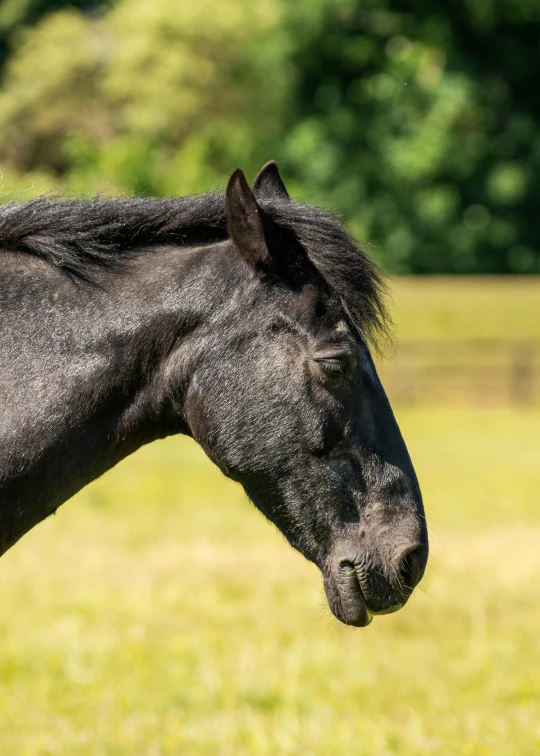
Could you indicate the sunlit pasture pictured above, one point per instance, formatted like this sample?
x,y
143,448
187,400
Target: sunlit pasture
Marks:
x,y
159,614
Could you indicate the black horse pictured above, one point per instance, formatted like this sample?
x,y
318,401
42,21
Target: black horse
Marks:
x,y
241,321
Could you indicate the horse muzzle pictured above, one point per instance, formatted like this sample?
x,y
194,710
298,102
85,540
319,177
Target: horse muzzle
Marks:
x,y
362,584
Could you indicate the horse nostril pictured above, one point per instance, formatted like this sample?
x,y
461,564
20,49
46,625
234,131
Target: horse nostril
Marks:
x,y
411,568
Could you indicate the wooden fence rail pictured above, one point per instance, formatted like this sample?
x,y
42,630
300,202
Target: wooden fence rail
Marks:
x,y
485,371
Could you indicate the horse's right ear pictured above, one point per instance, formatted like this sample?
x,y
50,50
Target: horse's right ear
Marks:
x,y
269,185
244,221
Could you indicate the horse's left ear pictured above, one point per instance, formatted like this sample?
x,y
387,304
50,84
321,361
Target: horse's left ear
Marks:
x,y
269,184
244,220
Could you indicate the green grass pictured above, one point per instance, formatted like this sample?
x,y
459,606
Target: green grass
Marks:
x,y
459,341
159,614
467,308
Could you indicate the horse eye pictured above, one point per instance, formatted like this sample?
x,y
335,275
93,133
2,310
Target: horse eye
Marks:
x,y
331,365
336,366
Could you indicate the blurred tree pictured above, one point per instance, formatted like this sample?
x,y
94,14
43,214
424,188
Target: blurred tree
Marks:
x,y
149,97
17,13
420,124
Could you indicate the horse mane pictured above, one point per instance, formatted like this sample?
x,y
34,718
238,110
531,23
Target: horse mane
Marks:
x,y
80,236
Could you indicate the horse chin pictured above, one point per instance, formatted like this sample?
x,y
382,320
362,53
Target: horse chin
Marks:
x,y
345,597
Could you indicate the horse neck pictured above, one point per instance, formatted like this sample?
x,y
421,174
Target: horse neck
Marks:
x,y
168,298
85,372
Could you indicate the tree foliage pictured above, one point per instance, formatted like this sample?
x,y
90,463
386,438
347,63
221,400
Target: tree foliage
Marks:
x,y
420,123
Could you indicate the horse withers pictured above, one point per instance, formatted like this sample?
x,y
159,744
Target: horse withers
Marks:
x,y
241,320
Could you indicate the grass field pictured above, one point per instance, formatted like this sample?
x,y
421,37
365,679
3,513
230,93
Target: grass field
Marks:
x,y
466,308
159,613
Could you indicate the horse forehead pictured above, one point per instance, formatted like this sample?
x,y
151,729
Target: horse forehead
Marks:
x,y
313,304
311,309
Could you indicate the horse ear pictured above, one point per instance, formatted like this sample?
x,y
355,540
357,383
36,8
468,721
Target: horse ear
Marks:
x,y
244,221
269,184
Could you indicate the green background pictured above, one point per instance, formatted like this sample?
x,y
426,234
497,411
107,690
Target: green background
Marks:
x,y
418,121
